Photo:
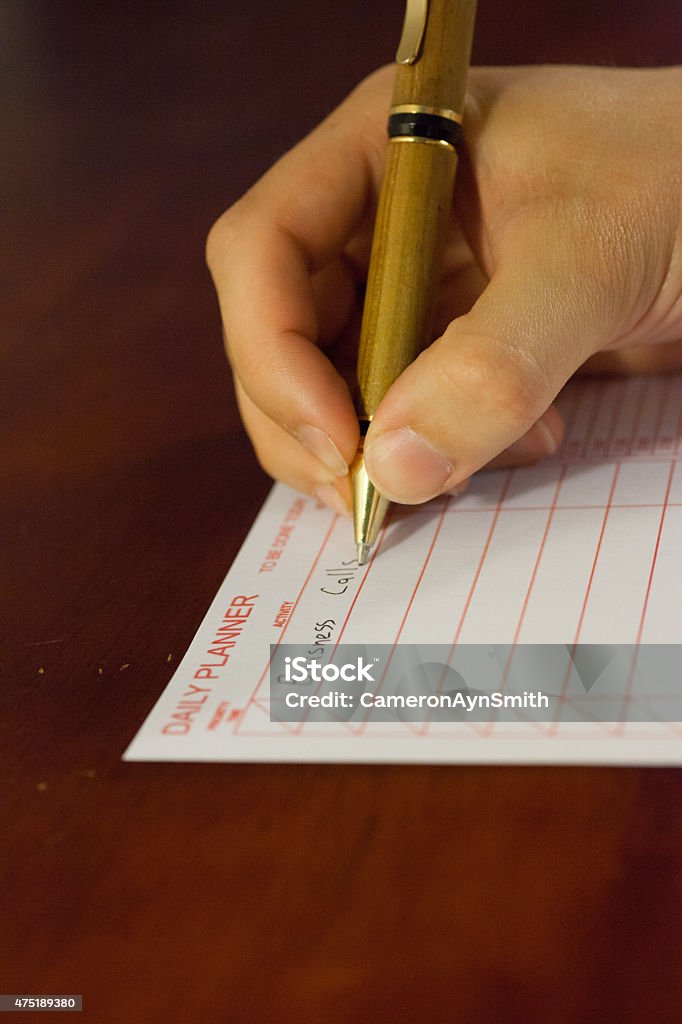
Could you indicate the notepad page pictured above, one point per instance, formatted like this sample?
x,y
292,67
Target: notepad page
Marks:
x,y
584,548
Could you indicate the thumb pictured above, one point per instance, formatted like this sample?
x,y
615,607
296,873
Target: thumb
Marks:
x,y
490,379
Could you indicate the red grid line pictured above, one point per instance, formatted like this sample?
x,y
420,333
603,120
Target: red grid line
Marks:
x,y
439,524
566,508
655,555
503,682
552,509
631,674
465,611
588,590
593,570
564,684
484,554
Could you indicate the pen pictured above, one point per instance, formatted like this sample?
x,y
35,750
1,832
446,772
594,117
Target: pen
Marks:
x,y
415,198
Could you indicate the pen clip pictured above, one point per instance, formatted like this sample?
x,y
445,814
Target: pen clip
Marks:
x,y
414,28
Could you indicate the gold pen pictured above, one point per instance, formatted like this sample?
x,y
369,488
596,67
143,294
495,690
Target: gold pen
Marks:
x,y
415,199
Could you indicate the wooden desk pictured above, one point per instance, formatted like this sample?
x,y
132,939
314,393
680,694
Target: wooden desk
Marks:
x,y
237,893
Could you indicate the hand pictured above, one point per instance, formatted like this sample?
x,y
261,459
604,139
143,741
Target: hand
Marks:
x,y
564,247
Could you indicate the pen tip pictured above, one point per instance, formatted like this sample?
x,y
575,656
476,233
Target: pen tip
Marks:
x,y
363,553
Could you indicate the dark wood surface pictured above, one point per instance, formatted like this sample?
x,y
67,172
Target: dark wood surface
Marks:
x,y
234,892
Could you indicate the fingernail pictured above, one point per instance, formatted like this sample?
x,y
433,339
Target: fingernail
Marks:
x,y
459,488
550,441
328,495
537,442
322,446
405,467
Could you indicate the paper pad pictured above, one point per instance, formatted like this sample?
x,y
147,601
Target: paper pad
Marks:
x,y
583,549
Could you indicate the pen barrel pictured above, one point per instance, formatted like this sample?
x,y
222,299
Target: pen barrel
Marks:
x,y
409,235
415,199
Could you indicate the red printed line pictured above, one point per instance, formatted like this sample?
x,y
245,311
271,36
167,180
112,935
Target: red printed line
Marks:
x,y
564,683
505,675
550,517
596,460
666,505
593,570
439,524
467,605
484,554
627,696
565,508
655,555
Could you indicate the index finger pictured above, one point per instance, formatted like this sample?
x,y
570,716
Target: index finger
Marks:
x,y
263,252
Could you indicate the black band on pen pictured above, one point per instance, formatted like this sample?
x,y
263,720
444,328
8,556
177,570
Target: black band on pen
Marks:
x,y
364,425
424,126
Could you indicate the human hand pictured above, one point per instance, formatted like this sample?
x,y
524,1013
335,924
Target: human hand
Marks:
x,y
564,249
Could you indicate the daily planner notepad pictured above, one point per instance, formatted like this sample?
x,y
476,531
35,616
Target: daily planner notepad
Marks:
x,y
582,551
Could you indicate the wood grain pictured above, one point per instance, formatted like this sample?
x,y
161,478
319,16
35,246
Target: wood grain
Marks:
x,y
413,209
407,251
438,78
232,892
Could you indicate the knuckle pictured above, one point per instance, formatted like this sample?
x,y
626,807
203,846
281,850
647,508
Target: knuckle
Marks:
x,y
502,380
223,234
